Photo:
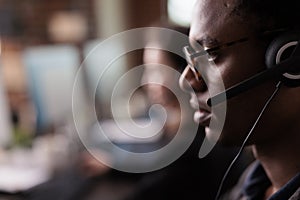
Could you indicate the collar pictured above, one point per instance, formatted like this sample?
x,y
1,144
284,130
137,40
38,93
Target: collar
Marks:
x,y
257,182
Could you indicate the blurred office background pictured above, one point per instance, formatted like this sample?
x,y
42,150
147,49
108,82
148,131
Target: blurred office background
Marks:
x,y
43,44
34,34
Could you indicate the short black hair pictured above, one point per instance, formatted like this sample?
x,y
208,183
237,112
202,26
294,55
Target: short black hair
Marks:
x,y
270,13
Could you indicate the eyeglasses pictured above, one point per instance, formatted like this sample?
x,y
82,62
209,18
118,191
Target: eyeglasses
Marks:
x,y
210,53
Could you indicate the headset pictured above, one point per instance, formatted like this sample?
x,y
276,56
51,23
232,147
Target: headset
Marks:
x,y
282,59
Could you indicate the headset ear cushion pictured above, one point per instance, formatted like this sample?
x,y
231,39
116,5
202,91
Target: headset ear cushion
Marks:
x,y
281,48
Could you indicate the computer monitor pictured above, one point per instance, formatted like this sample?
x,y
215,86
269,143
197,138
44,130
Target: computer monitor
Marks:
x,y
5,125
98,72
51,72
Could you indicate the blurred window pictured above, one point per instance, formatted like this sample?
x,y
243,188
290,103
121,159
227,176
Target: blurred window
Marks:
x,y
180,12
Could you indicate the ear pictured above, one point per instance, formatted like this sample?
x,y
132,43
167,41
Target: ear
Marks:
x,y
282,49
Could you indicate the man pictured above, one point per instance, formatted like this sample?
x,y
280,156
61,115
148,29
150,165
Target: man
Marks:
x,y
177,181
240,32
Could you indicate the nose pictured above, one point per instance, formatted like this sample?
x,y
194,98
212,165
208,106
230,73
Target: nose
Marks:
x,y
188,81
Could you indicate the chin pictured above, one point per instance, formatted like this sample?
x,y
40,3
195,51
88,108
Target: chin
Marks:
x,y
212,135
224,138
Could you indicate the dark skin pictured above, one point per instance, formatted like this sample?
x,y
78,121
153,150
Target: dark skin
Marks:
x,y
276,139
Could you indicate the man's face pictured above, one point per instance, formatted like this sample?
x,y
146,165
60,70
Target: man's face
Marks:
x,y
215,24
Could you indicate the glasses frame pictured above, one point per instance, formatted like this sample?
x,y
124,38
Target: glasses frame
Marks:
x,y
190,56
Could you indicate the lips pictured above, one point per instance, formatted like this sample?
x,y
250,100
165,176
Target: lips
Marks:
x,y
202,115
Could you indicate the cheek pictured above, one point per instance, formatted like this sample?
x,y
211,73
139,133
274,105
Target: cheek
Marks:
x,y
281,120
243,109
242,112
241,65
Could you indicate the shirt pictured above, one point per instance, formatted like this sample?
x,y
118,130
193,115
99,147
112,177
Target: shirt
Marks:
x,y
254,183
